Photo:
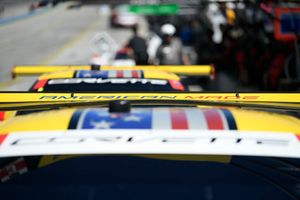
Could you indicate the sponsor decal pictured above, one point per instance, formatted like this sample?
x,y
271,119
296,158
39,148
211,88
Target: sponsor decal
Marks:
x,y
146,97
205,142
106,97
147,138
103,81
220,97
108,74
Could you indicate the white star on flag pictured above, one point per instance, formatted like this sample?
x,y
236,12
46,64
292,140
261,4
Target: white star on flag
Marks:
x,y
86,75
102,124
132,118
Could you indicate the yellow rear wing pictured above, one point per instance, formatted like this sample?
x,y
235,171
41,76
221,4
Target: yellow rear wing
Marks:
x,y
270,100
188,70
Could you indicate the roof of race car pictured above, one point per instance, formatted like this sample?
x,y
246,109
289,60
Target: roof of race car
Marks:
x,y
148,74
185,123
161,130
182,118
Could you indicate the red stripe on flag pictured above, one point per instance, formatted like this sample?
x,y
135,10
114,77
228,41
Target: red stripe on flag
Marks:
x,y
2,138
40,84
135,74
2,115
298,136
178,119
120,74
214,120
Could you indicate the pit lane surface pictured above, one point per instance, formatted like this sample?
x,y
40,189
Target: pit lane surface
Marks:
x,y
57,36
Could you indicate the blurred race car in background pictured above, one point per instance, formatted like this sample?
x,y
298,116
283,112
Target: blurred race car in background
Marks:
x,y
169,74
108,80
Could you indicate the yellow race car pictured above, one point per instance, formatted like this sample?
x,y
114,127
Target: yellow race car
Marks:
x,y
150,145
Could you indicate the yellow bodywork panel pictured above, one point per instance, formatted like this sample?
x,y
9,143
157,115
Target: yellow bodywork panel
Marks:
x,y
150,74
257,98
191,70
47,120
58,74
248,120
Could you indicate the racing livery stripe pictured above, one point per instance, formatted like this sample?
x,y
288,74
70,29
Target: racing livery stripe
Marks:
x,y
120,74
214,120
135,74
2,115
161,118
127,74
224,120
142,75
104,74
74,119
178,119
40,84
112,74
196,119
2,138
230,119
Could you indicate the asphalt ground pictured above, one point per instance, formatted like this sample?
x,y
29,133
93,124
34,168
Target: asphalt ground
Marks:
x,y
53,36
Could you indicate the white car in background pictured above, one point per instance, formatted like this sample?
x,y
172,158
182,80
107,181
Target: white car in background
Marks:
x,y
121,17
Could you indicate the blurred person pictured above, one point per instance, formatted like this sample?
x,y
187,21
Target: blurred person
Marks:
x,y
138,48
170,51
217,19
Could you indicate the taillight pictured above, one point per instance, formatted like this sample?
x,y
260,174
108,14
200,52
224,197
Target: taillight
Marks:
x,y
40,84
176,85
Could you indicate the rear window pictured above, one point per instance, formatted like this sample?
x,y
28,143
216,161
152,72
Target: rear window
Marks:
x,y
143,177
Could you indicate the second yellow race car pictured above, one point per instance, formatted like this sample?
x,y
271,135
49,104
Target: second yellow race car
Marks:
x,y
108,80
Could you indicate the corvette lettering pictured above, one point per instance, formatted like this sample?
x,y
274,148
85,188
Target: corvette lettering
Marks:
x,y
135,139
103,81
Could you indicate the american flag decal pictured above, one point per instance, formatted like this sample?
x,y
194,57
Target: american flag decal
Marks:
x,y
157,118
15,168
108,74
